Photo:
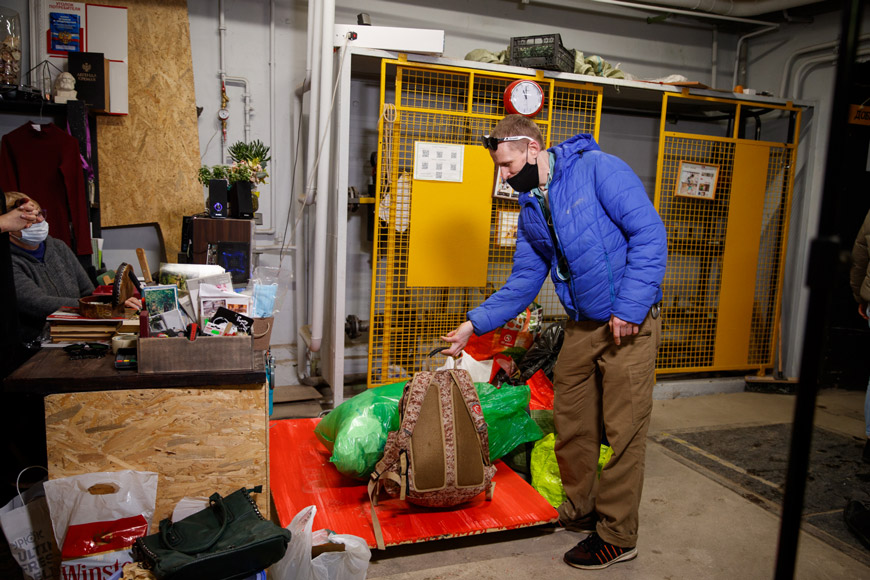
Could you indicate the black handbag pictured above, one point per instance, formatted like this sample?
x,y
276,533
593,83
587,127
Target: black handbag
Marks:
x,y
229,540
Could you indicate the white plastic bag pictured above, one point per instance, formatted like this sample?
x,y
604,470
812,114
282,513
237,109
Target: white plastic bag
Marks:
x,y
352,563
27,527
96,518
480,371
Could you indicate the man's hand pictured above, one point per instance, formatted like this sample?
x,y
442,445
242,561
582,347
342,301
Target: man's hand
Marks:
x,y
458,338
862,310
620,328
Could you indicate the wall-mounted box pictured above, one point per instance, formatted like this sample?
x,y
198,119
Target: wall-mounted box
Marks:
x,y
419,40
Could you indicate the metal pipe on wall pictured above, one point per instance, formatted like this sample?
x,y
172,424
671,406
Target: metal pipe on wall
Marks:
x,y
323,167
272,124
740,59
810,62
311,84
786,71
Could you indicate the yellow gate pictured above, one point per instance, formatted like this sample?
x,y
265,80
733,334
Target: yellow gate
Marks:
x,y
724,195
442,247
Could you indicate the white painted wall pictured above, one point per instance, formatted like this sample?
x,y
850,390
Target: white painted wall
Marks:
x,y
644,50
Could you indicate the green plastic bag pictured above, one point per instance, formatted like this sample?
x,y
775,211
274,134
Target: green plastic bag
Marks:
x,y
356,431
546,478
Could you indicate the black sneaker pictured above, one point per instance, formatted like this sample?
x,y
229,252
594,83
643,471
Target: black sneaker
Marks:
x,y
593,553
866,454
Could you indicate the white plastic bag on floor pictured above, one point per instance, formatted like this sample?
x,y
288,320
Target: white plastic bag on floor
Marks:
x,y
480,371
27,527
351,563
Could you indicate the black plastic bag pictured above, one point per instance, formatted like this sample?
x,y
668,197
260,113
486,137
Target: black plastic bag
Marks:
x,y
543,353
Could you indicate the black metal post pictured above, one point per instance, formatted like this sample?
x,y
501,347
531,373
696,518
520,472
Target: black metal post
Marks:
x,y
826,263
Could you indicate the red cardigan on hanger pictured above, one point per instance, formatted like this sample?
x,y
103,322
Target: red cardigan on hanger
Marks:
x,y
45,164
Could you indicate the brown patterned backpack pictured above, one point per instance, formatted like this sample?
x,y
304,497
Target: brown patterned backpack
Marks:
x,y
439,457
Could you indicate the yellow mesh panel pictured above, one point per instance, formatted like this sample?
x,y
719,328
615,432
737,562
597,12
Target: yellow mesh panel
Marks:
x,y
697,232
445,105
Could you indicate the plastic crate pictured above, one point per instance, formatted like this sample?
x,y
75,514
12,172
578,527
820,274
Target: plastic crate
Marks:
x,y
544,51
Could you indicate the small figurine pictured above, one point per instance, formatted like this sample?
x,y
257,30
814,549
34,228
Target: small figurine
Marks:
x,y
64,88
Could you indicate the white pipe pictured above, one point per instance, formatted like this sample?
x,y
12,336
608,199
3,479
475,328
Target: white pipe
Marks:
x,y
246,99
810,62
273,247
738,59
225,79
664,6
312,76
222,34
323,167
272,123
786,71
733,8
714,57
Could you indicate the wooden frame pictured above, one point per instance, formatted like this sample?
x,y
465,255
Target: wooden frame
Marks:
x,y
697,180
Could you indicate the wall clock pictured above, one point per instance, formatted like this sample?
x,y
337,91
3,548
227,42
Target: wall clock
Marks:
x,y
524,97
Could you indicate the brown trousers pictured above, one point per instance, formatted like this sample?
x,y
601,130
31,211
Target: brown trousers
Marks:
x,y
600,384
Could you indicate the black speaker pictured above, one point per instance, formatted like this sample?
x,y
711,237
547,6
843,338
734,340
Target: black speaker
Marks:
x,y
217,198
241,200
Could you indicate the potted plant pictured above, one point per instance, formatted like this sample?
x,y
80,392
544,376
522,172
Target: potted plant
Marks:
x,y
248,167
253,157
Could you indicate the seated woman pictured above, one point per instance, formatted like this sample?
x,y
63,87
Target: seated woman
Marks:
x,y
46,272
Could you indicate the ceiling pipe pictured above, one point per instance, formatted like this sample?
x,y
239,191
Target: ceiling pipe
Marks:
x,y
740,59
718,9
822,59
786,71
734,8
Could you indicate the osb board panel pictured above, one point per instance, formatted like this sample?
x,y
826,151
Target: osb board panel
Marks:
x,y
149,159
199,441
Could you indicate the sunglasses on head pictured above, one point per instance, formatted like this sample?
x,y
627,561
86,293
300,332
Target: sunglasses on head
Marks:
x,y
491,143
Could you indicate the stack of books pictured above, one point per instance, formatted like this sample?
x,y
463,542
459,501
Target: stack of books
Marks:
x,y
67,325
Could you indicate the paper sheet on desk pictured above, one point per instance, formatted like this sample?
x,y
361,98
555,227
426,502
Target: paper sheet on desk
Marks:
x,y
223,281
212,297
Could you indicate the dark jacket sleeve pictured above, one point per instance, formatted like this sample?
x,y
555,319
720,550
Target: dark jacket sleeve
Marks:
x,y
859,277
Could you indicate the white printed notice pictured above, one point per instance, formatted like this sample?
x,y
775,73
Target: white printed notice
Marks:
x,y
438,162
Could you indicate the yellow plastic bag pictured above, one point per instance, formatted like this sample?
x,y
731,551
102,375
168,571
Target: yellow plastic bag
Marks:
x,y
545,470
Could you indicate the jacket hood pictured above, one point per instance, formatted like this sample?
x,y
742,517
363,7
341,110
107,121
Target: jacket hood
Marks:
x,y
576,145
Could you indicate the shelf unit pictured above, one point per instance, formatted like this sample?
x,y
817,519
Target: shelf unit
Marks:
x,y
619,97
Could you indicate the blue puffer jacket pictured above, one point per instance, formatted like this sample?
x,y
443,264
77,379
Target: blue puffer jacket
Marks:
x,y
611,235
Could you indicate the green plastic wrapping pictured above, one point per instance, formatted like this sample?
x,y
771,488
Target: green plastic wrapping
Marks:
x,y
356,431
546,478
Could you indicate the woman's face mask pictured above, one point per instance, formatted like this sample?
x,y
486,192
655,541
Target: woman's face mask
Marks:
x,y
35,234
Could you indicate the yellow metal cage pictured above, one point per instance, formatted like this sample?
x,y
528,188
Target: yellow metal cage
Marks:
x,y
445,105
724,194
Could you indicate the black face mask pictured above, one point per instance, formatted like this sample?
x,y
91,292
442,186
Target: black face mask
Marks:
x,y
526,180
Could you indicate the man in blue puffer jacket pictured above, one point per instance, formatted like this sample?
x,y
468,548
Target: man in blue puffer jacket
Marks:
x,y
586,219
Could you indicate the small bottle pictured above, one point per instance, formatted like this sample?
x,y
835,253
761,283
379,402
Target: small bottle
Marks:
x,y
144,330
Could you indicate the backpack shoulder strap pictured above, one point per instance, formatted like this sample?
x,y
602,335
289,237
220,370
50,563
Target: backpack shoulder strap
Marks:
x,y
472,402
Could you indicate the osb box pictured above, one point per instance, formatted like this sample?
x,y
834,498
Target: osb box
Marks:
x,y
180,355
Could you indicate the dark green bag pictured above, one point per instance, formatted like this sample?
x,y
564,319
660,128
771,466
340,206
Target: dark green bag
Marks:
x,y
229,540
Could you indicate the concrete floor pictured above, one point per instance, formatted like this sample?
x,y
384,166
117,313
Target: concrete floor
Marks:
x,y
691,527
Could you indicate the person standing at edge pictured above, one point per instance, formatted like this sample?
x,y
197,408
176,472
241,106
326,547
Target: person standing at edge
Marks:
x,y
586,219
859,280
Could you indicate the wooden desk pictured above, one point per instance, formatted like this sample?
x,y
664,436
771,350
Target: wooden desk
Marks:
x,y
201,433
